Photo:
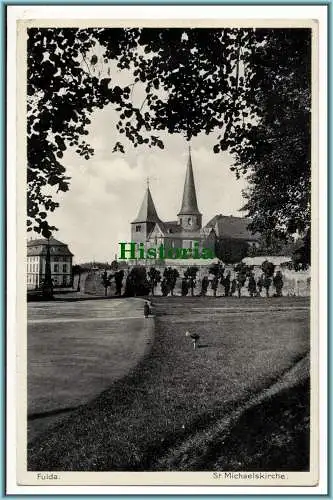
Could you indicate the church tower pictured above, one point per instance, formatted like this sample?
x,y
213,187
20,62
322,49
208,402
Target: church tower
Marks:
x,y
189,217
145,220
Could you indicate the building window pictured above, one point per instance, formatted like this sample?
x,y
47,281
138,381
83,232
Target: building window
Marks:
x,y
55,258
56,268
137,229
64,268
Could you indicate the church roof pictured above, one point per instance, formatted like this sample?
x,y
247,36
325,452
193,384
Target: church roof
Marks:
x,y
189,235
206,230
147,212
170,227
232,227
189,203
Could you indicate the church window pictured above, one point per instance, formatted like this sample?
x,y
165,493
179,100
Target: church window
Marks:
x,y
189,221
137,229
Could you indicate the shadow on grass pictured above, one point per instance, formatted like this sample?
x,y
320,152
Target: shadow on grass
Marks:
x,y
159,416
51,413
273,435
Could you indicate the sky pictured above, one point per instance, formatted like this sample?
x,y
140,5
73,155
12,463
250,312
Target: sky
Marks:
x,y
106,191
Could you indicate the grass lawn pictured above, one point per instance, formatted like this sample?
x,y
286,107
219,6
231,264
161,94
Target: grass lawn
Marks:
x,y
76,350
176,393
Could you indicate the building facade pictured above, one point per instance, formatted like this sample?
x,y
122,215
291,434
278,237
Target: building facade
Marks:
x,y
185,232
61,259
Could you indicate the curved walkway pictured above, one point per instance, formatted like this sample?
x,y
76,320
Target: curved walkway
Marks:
x,y
77,350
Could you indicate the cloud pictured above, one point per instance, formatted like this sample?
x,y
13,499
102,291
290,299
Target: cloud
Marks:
x,y
107,190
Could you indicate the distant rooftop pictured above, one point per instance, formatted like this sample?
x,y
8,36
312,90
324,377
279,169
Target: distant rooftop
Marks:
x,y
39,245
232,227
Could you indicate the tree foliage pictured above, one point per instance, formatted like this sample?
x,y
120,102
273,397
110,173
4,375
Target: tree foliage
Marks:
x,y
279,155
154,276
171,274
249,87
136,282
191,275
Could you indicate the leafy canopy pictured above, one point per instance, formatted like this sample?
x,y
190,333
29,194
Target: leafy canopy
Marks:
x,y
248,87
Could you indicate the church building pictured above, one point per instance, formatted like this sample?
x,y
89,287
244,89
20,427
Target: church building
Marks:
x,y
149,229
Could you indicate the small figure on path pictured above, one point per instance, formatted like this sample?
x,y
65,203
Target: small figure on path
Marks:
x,y
195,338
146,309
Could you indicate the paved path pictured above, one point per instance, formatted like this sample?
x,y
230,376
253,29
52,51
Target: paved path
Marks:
x,y
76,350
80,320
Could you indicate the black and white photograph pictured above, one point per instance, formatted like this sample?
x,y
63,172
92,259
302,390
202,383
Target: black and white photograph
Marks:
x,y
169,248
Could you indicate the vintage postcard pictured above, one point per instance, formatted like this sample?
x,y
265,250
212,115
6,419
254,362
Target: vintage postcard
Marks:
x,y
168,191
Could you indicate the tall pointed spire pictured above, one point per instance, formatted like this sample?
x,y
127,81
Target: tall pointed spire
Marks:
x,y
147,212
189,203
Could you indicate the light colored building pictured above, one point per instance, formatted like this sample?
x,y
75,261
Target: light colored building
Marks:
x,y
60,259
